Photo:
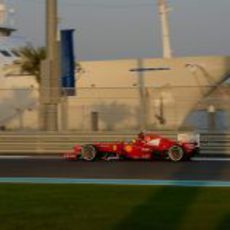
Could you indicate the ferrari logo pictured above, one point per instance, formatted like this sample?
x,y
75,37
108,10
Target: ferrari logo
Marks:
x,y
128,148
114,148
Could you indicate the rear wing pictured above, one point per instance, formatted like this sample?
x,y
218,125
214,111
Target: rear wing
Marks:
x,y
189,138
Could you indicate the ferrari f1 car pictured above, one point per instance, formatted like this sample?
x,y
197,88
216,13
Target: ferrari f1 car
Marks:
x,y
144,146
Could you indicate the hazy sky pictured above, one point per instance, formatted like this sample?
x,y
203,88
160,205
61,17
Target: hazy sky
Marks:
x,y
111,29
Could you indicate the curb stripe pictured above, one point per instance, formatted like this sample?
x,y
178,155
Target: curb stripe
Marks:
x,y
180,183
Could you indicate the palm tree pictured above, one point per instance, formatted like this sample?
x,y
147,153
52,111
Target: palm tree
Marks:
x,y
30,63
31,59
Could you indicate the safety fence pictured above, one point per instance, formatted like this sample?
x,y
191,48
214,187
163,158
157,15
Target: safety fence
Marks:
x,y
122,109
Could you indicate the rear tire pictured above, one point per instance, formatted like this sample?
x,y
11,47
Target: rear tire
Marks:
x,y
89,153
176,153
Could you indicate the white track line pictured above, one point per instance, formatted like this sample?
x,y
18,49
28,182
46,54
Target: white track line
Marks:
x,y
14,157
44,157
211,159
29,157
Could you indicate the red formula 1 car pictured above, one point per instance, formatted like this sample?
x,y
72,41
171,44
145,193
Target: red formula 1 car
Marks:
x,y
145,146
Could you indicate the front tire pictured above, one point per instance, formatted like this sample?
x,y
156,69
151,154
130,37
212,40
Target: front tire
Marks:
x,y
175,153
89,153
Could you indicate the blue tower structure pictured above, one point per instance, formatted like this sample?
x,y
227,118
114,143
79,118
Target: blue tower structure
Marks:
x,y
67,62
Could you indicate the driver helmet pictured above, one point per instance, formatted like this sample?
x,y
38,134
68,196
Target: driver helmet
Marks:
x,y
141,135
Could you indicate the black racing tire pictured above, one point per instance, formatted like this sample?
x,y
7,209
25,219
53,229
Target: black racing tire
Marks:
x,y
89,153
176,153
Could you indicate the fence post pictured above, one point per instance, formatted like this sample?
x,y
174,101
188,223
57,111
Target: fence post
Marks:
x,y
211,117
94,121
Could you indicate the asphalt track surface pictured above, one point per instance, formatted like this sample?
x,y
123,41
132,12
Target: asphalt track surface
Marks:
x,y
145,170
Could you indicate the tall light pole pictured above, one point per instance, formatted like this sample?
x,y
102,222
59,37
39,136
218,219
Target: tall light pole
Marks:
x,y
163,11
52,81
142,94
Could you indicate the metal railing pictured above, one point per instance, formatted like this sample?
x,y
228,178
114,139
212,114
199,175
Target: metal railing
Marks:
x,y
212,143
